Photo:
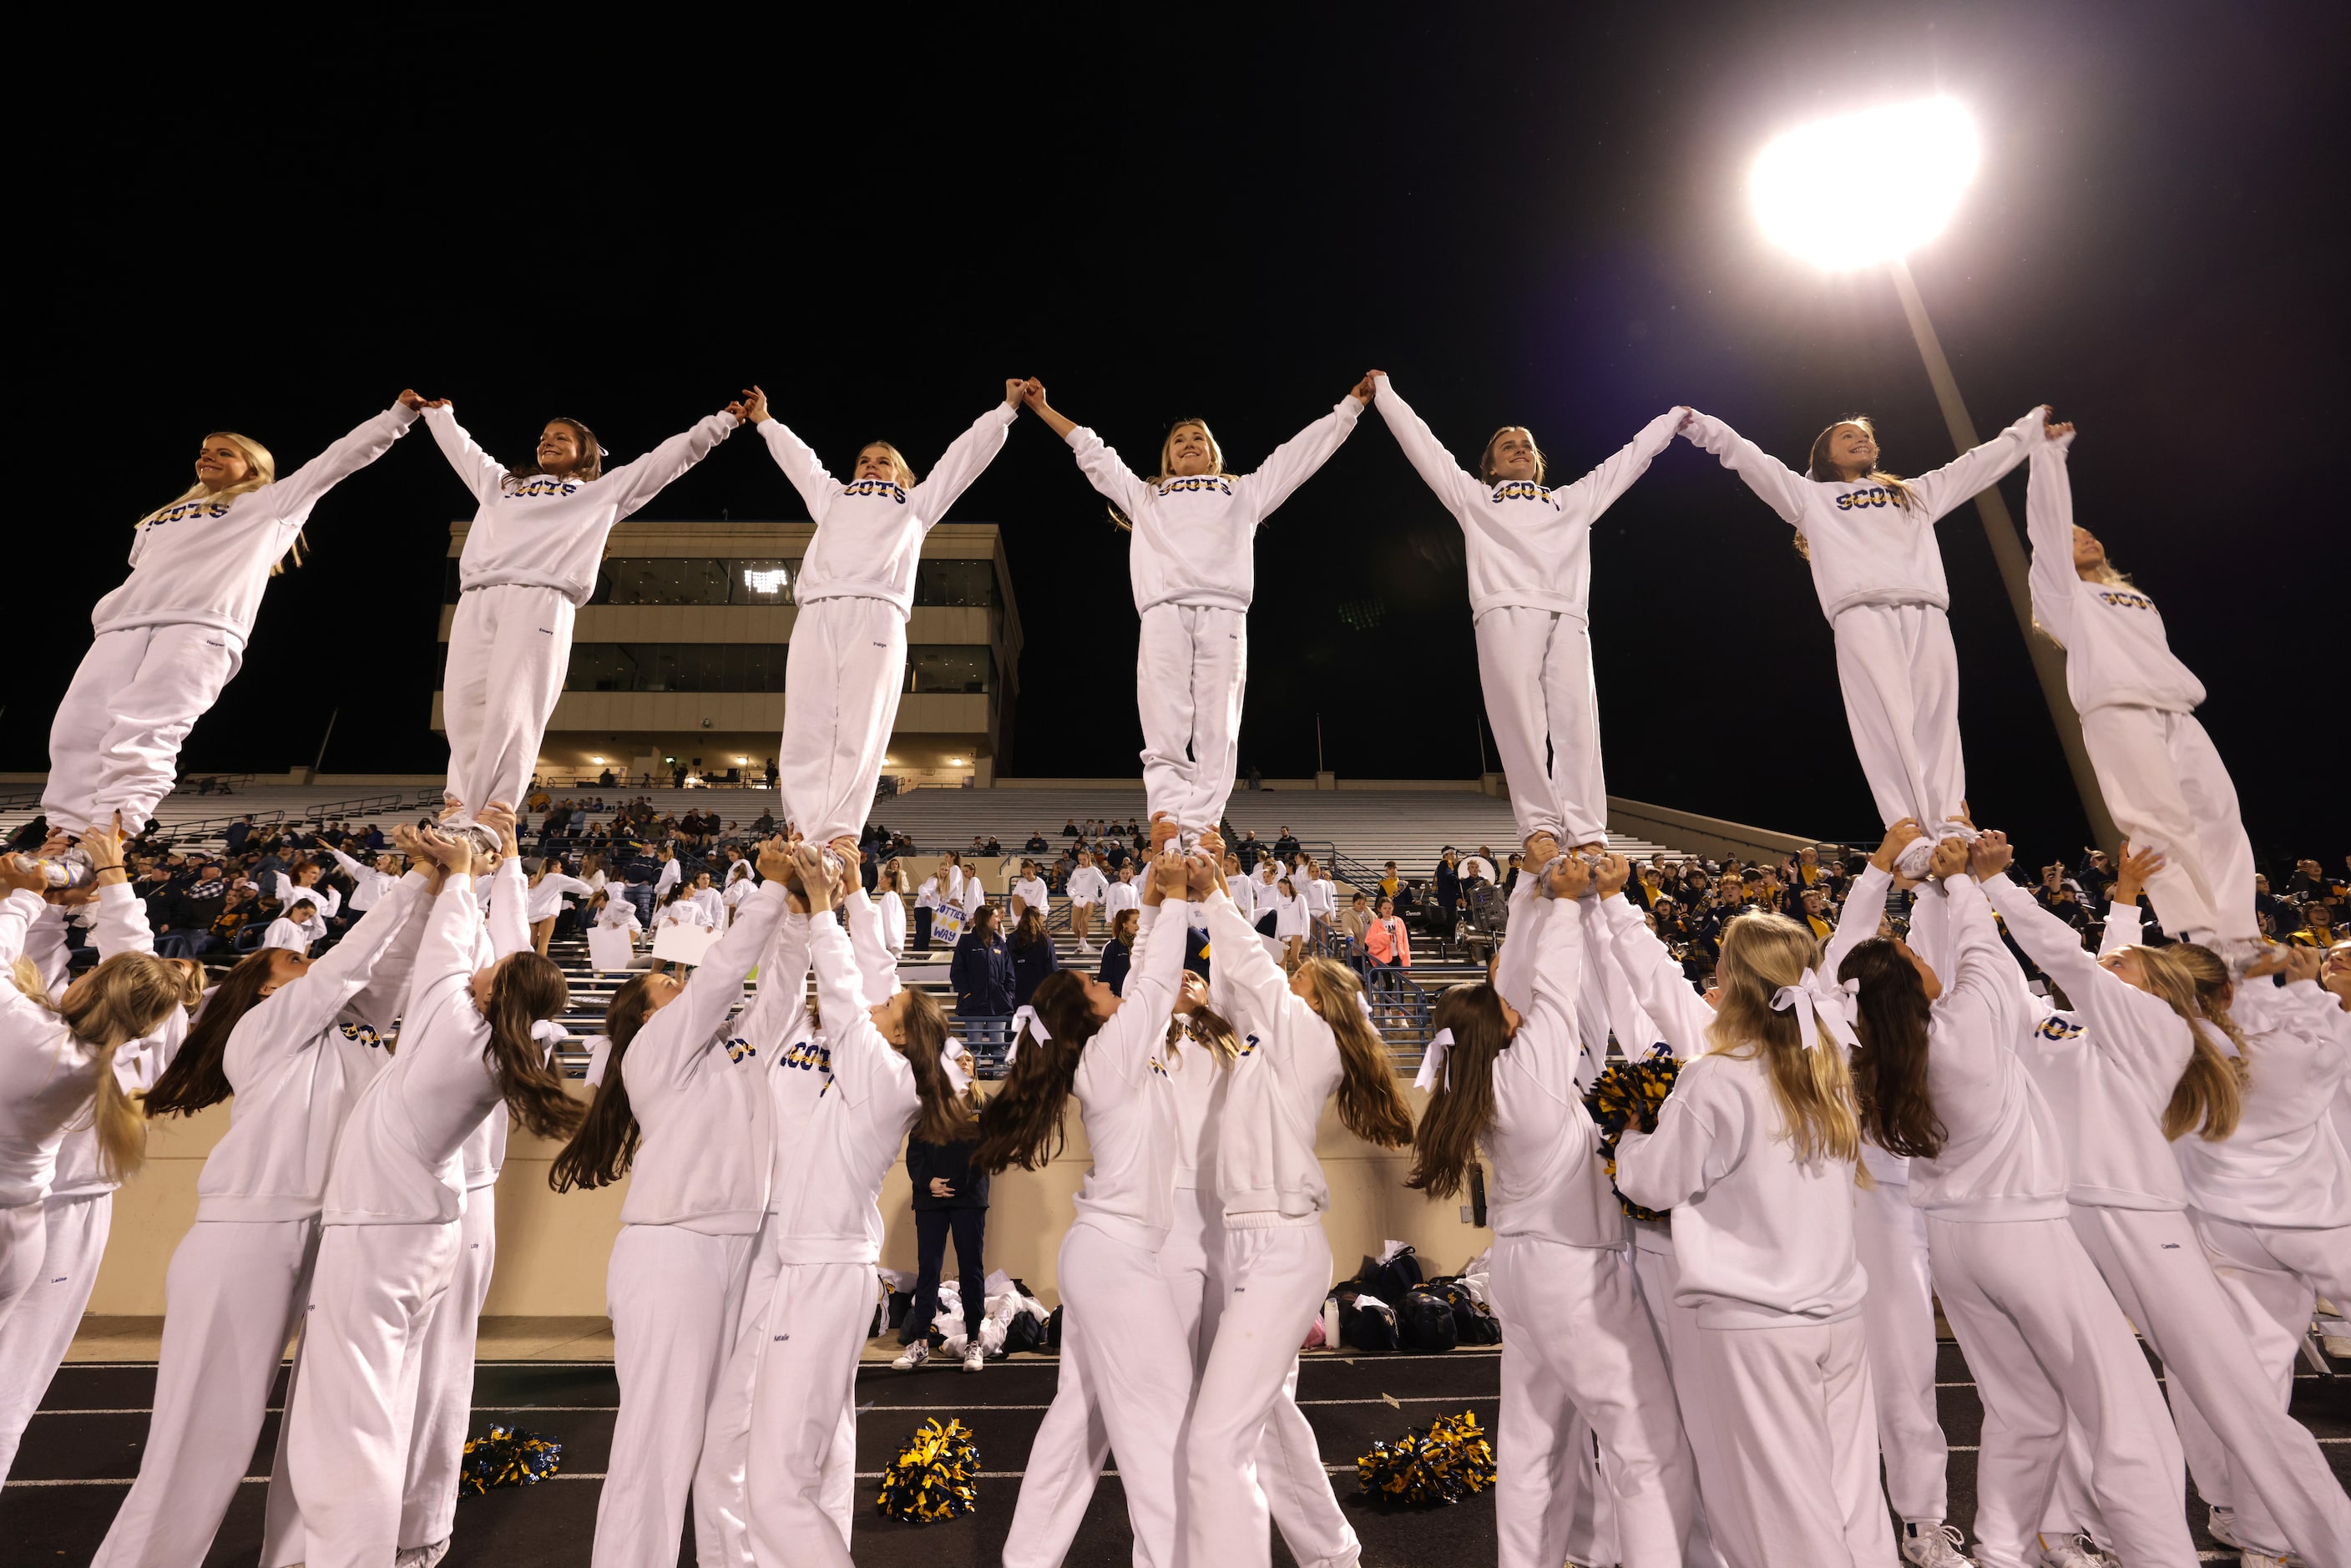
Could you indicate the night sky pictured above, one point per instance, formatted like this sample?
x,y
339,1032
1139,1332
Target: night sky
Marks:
x,y
1527,215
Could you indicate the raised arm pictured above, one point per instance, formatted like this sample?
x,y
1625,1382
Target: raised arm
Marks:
x,y
1693,1146
1104,469
802,468
1783,489
870,943
964,461
482,474
122,922
1681,1015
17,912
1597,491
632,485
509,911
294,493
1292,463
1979,468
1248,986
780,1009
2049,523
358,871
693,1018
448,956
1983,1001
312,1002
1421,449
2046,940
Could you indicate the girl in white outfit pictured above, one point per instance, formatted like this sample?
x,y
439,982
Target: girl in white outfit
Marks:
x,y
296,929
1088,889
1754,1153
1082,1040
473,1039
1306,1037
173,634
1870,538
1506,1080
1030,892
1530,549
2137,1064
295,1042
1938,1082
856,588
1194,562
529,562
1293,920
2162,779
682,1108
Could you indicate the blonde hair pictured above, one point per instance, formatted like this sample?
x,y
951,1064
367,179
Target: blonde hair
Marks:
x,y
126,997
1810,1081
1168,446
1371,1107
263,474
898,464
1210,1031
2209,1098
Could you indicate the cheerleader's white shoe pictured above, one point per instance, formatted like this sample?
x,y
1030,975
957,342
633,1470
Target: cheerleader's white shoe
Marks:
x,y
912,1356
2073,1552
1933,1544
974,1359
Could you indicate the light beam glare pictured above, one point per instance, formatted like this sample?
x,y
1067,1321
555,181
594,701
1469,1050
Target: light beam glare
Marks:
x,y
1906,166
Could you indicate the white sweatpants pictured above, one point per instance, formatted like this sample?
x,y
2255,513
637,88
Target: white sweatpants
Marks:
x,y
1797,1429
1191,672
509,646
114,745
1278,1278
377,1289
675,1297
1612,1373
2273,1277
23,1247
2154,1264
1536,667
846,669
803,1403
2168,789
233,1296
1658,1276
2047,1346
34,1337
1900,676
445,1378
1897,1321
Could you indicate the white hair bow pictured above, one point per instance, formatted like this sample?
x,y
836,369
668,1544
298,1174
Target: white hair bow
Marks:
x,y
955,1062
1028,1015
1820,1006
547,1032
130,1066
600,1053
1433,1063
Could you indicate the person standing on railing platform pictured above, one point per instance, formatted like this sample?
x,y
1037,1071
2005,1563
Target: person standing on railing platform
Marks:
x,y
981,971
950,1199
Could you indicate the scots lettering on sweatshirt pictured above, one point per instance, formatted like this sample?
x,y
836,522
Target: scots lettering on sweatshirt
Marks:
x,y
205,562
1195,537
545,532
1866,547
869,534
1528,545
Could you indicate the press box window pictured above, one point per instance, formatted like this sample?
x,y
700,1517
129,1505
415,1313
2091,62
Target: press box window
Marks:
x,y
945,667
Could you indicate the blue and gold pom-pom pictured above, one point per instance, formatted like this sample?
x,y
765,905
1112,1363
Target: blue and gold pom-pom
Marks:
x,y
509,1457
936,1475
1441,1463
1628,1094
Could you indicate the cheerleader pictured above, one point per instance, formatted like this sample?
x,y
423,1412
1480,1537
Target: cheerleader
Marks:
x,y
1508,1081
529,562
2137,1064
295,930
368,883
1194,564
614,911
1530,549
678,908
2162,779
472,1039
855,590
1088,889
1314,1038
173,634
890,905
1879,574
1754,1152
680,1109
1293,920
1938,1083
293,1041
1030,893
1079,1039
303,883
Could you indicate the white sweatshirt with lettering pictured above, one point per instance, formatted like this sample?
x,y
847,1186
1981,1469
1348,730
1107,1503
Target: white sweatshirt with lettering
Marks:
x,y
48,1077
1195,538
2116,652
2285,1167
1549,1184
1528,545
205,562
540,531
869,534
1126,1097
1866,547
1267,1172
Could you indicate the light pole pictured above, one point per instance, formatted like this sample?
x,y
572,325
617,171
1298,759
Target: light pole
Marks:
x,y
1922,157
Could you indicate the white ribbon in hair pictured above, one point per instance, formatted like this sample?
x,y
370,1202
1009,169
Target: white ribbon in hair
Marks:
x,y
1820,1006
131,1062
600,1053
1433,1063
547,1032
954,1061
1022,1015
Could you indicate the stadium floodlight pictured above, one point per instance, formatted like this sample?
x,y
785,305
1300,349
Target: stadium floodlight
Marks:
x,y
1913,161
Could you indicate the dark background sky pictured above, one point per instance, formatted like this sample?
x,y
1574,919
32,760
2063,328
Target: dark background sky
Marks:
x,y
1531,215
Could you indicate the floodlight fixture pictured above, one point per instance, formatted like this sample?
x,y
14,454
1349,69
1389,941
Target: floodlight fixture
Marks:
x,y
1866,187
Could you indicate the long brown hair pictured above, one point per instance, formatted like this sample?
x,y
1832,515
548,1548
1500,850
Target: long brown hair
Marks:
x,y
1371,1107
197,1077
1889,1069
1024,1122
1461,1107
1809,1084
2209,1097
126,997
1486,458
1206,1027
947,1115
1031,929
592,453
529,988
1820,466
600,1151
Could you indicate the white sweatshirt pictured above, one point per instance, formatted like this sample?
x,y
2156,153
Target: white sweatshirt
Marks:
x,y
294,936
1031,890
1127,1097
618,910
1762,1241
685,910
505,929
2285,1167
1291,917
1549,1184
2108,1067
1267,1172
205,562
1088,886
1864,907
1866,547
714,907
48,1077
671,874
2117,652
368,884
286,889
297,1061
1242,892
697,1083
1122,895
541,531
1528,545
544,898
868,535
894,924
1195,538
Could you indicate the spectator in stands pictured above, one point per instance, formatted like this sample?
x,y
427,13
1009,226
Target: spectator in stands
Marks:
x,y
238,833
1286,845
1069,829
1386,941
1354,921
2268,905
2056,895
1447,889
992,847
1817,914
1118,950
2317,925
1033,958
981,970
1389,881
2311,881
1037,843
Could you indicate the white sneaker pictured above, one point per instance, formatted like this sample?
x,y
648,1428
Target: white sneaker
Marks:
x,y
2252,1559
1931,1544
974,1359
2073,1552
1086,947
912,1356
422,1556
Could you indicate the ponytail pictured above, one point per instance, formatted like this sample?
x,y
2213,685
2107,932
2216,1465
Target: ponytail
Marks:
x,y
1889,1071
2208,1099
197,1077
606,1142
947,1115
528,988
1461,1106
126,997
1023,1123
1371,1107
1206,1027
